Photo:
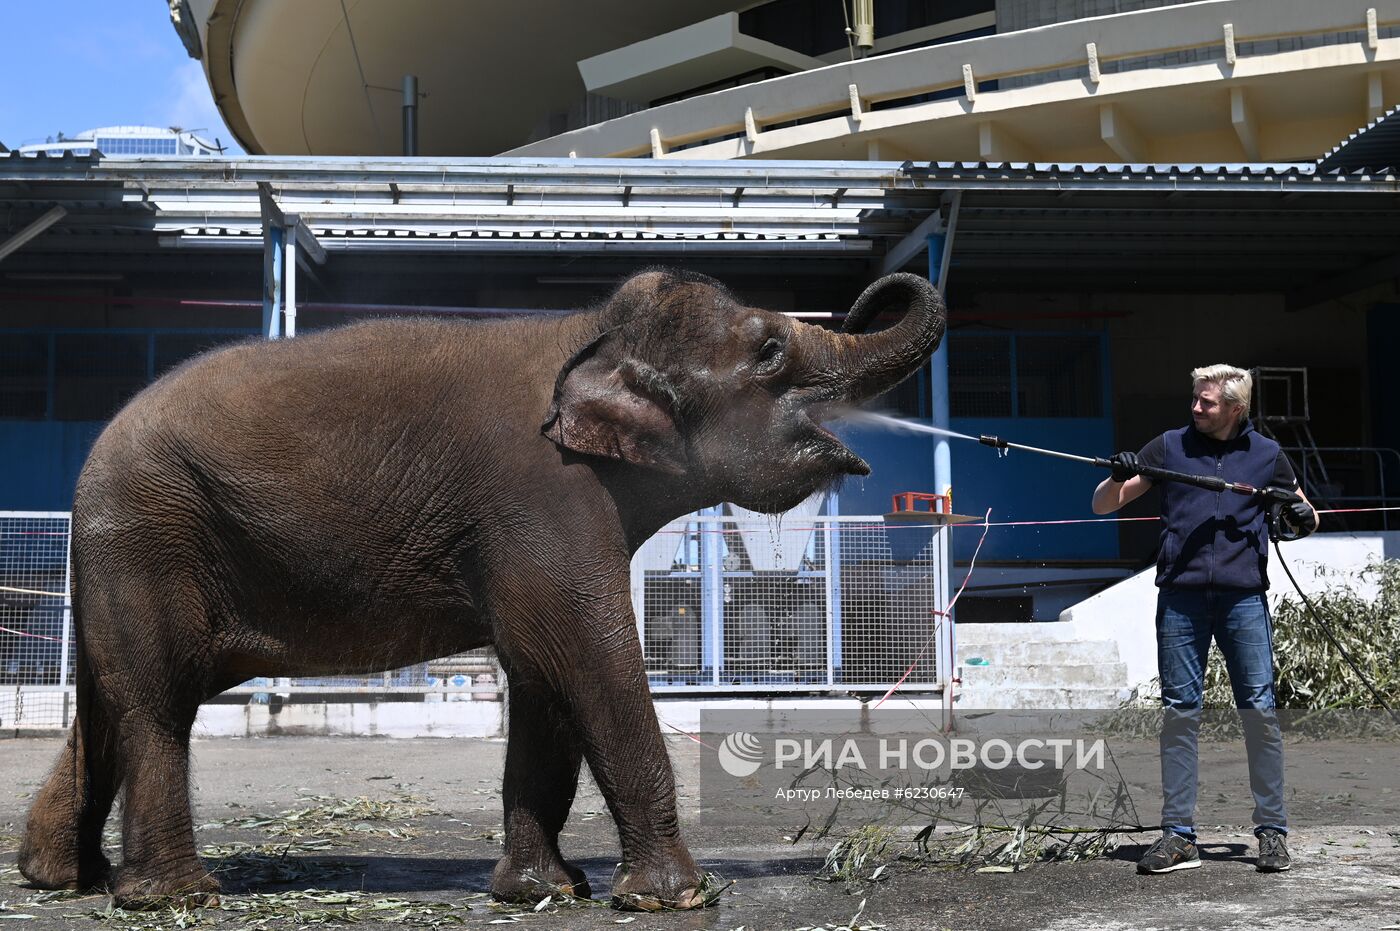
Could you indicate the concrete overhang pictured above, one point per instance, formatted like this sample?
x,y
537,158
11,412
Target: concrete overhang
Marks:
x,y
694,56
1219,80
322,77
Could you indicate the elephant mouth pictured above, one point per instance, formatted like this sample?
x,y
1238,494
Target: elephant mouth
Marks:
x,y
827,444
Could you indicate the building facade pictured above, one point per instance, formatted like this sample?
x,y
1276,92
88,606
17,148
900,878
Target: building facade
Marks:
x,y
1023,138
126,140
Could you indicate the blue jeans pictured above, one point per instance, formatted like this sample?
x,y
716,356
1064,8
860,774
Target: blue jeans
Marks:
x,y
1240,624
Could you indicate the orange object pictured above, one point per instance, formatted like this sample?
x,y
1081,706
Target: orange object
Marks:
x,y
910,501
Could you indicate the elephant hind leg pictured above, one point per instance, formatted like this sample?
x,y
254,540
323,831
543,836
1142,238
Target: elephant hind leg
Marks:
x,y
146,638
62,846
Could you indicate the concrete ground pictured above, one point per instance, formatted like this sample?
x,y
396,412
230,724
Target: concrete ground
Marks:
x,y
1347,875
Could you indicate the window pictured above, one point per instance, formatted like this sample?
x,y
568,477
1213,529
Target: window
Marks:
x,y
910,397
1025,375
136,145
1058,376
24,376
95,372
979,375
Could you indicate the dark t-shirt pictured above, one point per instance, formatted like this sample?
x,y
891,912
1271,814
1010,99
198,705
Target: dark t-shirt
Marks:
x,y
1215,539
1284,477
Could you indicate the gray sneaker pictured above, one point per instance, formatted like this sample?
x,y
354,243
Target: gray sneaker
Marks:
x,y
1273,852
1171,852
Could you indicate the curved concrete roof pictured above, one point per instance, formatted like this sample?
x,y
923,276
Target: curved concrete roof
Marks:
x,y
1218,80
287,79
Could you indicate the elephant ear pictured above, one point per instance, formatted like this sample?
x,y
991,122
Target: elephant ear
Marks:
x,y
620,409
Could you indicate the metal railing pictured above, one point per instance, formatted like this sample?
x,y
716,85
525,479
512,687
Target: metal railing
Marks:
x,y
727,601
1349,477
848,90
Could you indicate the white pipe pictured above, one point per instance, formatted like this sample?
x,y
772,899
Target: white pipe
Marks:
x,y
289,285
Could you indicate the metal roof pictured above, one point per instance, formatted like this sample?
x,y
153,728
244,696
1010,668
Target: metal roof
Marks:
x,y
1132,226
1375,144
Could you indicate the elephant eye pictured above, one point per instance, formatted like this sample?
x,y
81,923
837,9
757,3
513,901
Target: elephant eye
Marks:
x,y
770,356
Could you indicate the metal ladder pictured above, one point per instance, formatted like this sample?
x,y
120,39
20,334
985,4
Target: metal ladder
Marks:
x,y
1281,406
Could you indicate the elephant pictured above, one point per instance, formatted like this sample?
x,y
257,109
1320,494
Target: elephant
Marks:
x,y
392,491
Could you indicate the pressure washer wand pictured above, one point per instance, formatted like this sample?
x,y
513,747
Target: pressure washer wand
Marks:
x,y
1208,482
1276,498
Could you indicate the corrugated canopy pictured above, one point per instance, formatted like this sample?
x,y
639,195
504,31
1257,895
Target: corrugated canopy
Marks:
x,y
1133,226
1373,147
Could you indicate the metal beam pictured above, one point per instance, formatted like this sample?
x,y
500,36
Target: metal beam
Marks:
x,y
33,229
271,210
291,222
916,241
272,282
306,239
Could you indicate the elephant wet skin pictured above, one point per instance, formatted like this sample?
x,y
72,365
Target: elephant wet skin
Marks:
x,y
394,491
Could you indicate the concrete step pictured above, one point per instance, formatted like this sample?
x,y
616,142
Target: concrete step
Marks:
x,y
972,699
1056,675
1013,633
1038,653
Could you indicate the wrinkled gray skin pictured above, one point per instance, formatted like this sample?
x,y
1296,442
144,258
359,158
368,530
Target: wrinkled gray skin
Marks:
x,y
395,491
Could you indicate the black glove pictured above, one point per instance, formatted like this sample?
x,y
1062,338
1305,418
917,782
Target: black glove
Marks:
x,y
1125,466
1293,512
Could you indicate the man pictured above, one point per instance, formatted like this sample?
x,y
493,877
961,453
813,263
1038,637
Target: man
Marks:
x,y
1211,573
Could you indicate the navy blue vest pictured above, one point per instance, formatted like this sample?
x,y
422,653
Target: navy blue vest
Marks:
x,y
1214,539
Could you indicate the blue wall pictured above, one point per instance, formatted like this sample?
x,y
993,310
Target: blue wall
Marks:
x,y
1020,486
40,461
1025,486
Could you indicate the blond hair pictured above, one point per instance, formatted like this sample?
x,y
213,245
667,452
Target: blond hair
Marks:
x,y
1236,385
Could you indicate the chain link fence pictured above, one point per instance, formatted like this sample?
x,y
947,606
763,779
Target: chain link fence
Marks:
x,y
727,601
36,656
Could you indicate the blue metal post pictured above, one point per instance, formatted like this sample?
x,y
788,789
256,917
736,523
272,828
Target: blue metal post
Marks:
x,y
938,377
272,282
712,591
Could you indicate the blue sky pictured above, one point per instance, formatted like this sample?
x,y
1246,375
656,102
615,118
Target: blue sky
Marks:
x,y
79,64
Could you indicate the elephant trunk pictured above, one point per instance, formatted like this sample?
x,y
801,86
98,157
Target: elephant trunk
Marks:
x,y
867,365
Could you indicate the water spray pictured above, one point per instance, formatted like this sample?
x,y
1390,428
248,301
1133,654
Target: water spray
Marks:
x,y
1281,527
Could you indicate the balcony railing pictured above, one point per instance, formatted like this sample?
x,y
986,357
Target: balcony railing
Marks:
x,y
847,92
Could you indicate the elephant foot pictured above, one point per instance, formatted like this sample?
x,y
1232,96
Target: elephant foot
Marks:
x,y
135,891
656,889
511,882
50,868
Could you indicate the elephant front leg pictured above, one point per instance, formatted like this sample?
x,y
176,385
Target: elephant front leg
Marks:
x,y
627,756
542,768
600,673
